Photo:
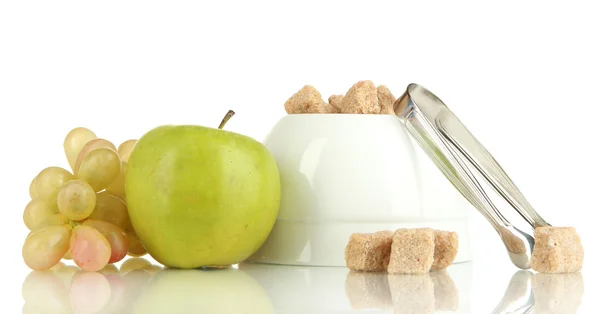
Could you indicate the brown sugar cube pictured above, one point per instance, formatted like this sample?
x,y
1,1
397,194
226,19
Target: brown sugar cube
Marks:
x,y
368,251
307,100
327,108
445,291
446,248
556,250
336,102
557,293
368,290
412,251
361,98
385,99
412,293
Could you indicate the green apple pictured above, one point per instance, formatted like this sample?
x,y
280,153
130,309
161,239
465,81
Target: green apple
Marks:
x,y
201,196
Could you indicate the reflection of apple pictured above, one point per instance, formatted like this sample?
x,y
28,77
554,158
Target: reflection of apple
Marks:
x,y
301,289
201,196
227,290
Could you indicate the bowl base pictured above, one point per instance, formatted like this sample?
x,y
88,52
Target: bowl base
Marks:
x,y
323,243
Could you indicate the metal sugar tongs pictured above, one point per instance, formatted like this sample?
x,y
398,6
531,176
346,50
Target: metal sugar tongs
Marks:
x,y
462,159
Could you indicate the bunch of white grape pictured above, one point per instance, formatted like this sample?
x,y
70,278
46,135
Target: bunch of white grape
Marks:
x,y
81,214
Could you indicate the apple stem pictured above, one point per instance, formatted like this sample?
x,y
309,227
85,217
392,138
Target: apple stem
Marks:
x,y
228,116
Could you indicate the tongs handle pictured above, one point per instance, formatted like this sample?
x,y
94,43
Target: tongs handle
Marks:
x,y
453,148
457,135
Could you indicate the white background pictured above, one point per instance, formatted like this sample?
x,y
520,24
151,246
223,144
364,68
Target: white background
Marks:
x,y
522,75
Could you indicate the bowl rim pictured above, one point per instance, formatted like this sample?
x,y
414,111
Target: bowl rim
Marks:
x,y
339,116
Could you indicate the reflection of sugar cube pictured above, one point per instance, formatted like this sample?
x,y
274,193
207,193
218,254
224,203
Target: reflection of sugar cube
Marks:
x,y
445,291
446,248
412,251
368,251
556,250
412,293
557,293
368,290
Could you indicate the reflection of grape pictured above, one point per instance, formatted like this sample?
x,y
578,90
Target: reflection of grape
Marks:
x,y
44,248
135,281
109,269
76,200
111,209
74,142
116,238
44,292
49,181
125,149
153,269
89,293
36,212
66,274
119,295
90,146
89,248
69,289
100,168
117,188
134,264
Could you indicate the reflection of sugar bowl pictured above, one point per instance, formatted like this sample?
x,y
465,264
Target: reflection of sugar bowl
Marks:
x,y
306,289
347,173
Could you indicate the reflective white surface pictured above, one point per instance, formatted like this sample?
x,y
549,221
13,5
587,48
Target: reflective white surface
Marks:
x,y
142,287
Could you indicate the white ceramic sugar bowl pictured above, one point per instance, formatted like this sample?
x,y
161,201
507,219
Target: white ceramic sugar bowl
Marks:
x,y
347,173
